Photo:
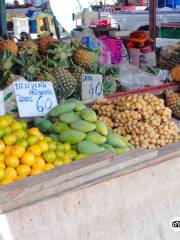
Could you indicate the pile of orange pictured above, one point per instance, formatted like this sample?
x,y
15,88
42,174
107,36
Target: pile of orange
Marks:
x,y
25,152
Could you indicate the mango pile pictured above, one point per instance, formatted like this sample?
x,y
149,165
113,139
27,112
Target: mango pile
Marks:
x,y
74,123
26,152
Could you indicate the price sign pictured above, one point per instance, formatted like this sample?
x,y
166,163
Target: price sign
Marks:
x,y
2,110
92,87
34,99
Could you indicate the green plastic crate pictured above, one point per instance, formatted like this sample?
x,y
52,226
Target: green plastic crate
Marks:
x,y
171,32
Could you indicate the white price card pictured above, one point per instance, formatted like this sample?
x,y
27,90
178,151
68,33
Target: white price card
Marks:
x,y
92,87
2,110
34,99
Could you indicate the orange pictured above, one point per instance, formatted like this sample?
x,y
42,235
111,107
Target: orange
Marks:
x,y
17,151
49,166
52,146
23,170
10,139
22,142
2,174
35,172
6,181
2,146
7,130
15,126
67,147
58,163
32,139
3,123
7,150
35,149
12,161
59,147
49,156
28,158
59,154
2,157
44,146
34,131
10,173
20,134
48,139
2,165
39,163
8,119
23,124
72,154
66,159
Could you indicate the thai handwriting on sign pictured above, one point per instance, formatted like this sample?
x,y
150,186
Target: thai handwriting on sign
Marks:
x,y
92,87
40,96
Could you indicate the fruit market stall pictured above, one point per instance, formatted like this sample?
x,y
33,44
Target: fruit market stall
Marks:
x,y
97,198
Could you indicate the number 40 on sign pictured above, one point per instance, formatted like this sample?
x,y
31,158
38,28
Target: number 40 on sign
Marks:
x,y
92,87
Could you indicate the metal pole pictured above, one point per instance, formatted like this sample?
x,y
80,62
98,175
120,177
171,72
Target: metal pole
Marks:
x,y
152,22
3,24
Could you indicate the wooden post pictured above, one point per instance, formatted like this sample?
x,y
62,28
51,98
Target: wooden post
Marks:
x,y
152,22
3,24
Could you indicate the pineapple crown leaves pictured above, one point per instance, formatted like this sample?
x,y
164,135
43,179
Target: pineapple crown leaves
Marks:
x,y
60,53
7,60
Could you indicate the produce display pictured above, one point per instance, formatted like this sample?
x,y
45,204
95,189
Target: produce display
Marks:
x,y
46,59
143,120
74,123
26,151
172,100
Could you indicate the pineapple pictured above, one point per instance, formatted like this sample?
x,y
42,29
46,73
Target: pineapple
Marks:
x,y
7,61
43,43
44,76
85,57
28,65
173,102
9,45
60,53
28,44
64,82
77,72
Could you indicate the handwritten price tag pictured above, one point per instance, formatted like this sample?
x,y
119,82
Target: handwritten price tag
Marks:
x,y
92,87
34,99
2,110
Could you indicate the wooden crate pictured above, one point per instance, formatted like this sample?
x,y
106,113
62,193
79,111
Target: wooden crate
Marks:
x,y
104,197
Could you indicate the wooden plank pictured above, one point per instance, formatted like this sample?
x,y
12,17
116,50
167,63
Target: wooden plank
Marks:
x,y
67,178
136,206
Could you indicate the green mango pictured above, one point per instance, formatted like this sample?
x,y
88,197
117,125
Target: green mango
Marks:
x,y
62,108
119,151
107,147
59,127
79,107
101,128
71,136
83,126
45,126
89,148
54,136
88,115
96,138
69,117
116,140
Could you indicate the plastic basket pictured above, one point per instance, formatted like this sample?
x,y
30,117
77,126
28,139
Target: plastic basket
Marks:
x,y
20,25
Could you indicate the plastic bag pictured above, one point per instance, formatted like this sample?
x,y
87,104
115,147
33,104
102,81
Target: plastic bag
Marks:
x,y
134,78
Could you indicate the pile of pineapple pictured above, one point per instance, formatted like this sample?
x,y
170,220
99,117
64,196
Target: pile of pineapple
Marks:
x,y
47,59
